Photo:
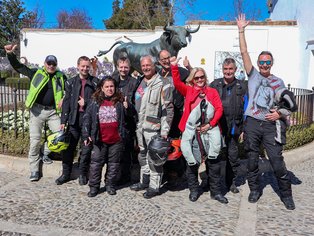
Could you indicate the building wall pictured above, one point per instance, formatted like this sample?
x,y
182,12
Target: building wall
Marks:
x,y
206,44
302,12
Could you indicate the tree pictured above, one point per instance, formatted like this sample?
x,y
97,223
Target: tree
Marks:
x,y
76,19
33,19
243,6
115,6
10,20
140,14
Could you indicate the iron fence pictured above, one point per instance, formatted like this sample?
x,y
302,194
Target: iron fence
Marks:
x,y
14,115
305,101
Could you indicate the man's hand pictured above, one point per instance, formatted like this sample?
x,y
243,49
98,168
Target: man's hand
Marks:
x,y
186,63
81,101
204,128
273,116
241,22
88,141
174,61
10,48
60,104
62,126
125,102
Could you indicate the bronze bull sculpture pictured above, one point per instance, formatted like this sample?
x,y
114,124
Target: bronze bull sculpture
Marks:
x,y
172,40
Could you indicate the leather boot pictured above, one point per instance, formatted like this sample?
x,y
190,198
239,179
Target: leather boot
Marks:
x,y
193,195
220,198
62,179
141,186
93,192
254,196
289,203
111,190
83,180
151,193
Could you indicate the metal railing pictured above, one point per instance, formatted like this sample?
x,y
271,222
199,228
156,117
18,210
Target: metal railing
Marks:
x,y
14,115
305,101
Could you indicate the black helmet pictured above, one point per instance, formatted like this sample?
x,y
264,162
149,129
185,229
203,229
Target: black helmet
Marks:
x,y
285,99
158,149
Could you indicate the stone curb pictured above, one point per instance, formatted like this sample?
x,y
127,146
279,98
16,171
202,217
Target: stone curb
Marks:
x,y
20,165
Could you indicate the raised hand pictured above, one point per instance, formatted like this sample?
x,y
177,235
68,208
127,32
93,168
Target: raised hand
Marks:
x,y
187,64
241,21
174,61
10,48
125,102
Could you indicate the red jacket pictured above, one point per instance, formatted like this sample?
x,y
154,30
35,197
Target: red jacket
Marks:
x,y
190,94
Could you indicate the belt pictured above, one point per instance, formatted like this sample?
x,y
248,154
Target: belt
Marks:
x,y
44,107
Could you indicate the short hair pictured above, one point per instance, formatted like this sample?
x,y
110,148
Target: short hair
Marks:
x,y
267,53
123,59
148,56
82,58
228,61
163,51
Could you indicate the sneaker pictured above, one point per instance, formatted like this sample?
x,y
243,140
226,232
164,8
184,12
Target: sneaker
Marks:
x,y
288,202
46,160
34,176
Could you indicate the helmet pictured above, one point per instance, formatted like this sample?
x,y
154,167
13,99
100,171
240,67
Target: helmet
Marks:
x,y
285,99
158,149
58,141
175,150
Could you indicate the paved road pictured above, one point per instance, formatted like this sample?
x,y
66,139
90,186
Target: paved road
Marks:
x,y
43,208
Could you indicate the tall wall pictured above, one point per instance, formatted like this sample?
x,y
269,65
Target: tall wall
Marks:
x,y
204,49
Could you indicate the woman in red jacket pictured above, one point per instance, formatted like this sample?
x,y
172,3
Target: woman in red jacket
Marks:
x,y
196,90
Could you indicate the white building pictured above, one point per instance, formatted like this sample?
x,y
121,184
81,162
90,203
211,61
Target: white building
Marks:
x,y
302,12
209,46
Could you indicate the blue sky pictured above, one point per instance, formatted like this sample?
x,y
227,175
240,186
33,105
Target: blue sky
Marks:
x,y
100,10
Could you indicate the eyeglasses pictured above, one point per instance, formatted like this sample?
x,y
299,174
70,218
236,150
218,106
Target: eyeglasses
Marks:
x,y
199,77
164,59
49,63
263,62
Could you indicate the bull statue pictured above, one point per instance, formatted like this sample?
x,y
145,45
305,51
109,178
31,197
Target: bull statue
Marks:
x,y
172,40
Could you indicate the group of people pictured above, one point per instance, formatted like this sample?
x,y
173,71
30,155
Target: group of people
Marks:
x,y
117,116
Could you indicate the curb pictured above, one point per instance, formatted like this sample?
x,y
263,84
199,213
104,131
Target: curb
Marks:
x,y
20,165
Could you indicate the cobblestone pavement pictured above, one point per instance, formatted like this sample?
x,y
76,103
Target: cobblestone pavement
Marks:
x,y
43,208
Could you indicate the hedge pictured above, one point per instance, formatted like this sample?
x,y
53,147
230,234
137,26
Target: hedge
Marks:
x,y
296,137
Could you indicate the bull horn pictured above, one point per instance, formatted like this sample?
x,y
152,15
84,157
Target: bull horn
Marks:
x,y
193,31
167,28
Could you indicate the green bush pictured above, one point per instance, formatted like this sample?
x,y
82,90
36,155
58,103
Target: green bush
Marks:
x,y
5,74
9,144
298,136
14,82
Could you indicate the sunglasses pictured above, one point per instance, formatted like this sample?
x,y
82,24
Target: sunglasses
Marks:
x,y
49,63
263,62
199,77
